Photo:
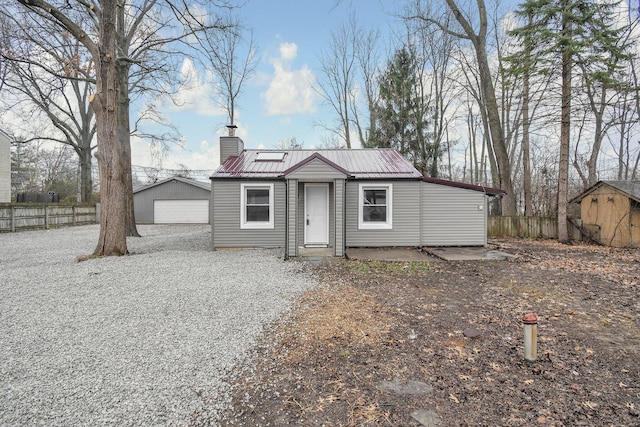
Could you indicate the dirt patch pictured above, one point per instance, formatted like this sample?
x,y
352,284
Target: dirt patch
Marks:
x,y
379,327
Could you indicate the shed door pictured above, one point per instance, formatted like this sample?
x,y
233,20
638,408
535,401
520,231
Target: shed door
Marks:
x,y
180,211
316,207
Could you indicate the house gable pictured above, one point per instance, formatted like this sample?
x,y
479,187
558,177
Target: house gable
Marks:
x,y
316,168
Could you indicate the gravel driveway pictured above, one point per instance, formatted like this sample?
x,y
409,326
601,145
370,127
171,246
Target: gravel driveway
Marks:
x,y
144,339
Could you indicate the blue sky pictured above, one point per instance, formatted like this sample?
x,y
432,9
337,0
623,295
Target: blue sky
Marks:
x,y
277,103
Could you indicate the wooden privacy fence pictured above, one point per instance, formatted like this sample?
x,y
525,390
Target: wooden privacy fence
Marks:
x,y
28,217
531,227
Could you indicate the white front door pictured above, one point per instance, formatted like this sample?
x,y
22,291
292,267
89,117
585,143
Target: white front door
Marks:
x,y
316,212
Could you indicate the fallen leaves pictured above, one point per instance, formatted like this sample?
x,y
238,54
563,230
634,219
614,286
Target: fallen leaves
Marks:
x,y
586,299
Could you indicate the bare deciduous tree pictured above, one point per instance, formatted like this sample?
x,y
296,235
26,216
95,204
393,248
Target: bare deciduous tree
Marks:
x,y
232,57
477,36
368,57
337,81
52,77
436,49
109,40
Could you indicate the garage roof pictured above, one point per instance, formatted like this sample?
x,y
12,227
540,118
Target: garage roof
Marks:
x,y
203,185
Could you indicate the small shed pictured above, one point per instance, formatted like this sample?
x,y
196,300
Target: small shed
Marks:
x,y
610,213
5,168
175,200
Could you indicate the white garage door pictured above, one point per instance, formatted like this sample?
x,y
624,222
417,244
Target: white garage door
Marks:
x,y
180,211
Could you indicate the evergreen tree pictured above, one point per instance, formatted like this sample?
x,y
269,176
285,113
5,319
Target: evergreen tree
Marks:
x,y
402,113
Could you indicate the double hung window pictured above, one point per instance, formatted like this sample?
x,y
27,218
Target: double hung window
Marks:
x,y
375,208
256,206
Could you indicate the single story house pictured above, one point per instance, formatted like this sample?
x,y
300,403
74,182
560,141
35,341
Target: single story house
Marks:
x,y
338,199
610,213
175,200
5,168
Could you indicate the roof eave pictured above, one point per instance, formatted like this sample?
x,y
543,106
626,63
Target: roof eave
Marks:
x,y
491,191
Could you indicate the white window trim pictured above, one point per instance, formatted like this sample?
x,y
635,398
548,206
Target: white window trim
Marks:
x,y
244,224
388,224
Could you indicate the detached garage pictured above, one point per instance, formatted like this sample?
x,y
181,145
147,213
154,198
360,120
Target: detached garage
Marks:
x,y
175,200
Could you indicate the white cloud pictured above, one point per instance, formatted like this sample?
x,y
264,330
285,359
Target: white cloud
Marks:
x,y
204,156
288,51
142,154
290,91
207,157
196,93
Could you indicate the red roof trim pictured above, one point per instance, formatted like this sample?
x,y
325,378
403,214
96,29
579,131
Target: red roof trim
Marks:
x,y
488,190
313,157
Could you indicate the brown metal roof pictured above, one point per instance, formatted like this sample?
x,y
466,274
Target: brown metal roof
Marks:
x,y
488,190
385,163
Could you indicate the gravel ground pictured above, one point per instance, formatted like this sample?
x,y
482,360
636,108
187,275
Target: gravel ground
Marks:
x,y
145,339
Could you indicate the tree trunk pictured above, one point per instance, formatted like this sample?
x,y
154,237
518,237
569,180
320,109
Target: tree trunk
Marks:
x,y
496,132
565,133
112,239
526,154
526,124
598,112
124,135
124,128
86,180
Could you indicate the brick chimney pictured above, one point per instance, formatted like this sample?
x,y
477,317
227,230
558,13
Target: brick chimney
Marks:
x,y
230,145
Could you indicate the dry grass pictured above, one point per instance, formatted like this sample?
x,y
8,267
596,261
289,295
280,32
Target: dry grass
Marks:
x,y
324,365
343,314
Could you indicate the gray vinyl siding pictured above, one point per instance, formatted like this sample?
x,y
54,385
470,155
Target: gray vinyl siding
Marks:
x,y
316,171
406,216
225,229
338,229
301,219
230,146
453,216
178,190
293,213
